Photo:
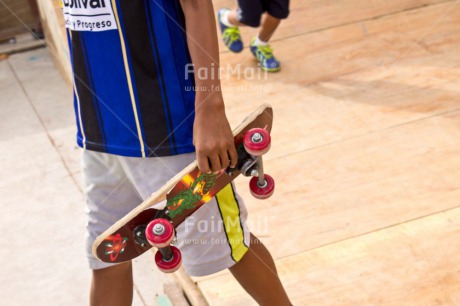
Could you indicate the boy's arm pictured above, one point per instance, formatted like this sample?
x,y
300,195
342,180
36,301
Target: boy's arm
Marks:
x,y
212,135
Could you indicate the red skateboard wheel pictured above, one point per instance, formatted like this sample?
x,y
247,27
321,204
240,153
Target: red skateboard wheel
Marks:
x,y
257,141
159,233
262,192
171,265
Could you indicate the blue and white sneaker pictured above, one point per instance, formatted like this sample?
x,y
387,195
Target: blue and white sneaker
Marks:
x,y
264,54
230,35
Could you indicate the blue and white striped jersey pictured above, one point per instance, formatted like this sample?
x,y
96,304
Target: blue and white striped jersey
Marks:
x,y
129,59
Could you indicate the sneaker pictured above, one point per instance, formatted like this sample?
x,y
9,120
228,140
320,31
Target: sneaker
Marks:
x,y
230,35
264,54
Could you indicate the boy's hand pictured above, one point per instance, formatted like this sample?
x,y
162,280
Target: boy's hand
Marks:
x,y
213,138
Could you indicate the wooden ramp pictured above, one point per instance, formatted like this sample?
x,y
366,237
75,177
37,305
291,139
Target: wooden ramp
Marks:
x,y
366,154
366,151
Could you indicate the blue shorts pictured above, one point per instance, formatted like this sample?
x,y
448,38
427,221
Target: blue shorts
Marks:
x,y
250,11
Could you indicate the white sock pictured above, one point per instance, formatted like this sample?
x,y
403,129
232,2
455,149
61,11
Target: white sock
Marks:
x,y
224,19
258,42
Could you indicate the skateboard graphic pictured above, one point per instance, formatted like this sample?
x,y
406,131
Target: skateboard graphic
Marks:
x,y
145,226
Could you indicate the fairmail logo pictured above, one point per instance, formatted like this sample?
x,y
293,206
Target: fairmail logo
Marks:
x,y
89,15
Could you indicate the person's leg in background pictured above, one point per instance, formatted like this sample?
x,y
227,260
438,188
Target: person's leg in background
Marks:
x,y
276,10
249,13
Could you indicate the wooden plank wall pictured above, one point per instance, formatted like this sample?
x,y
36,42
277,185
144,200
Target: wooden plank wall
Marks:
x,y
55,35
15,18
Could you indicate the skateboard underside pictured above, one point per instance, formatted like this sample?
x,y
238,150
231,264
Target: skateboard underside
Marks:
x,y
184,194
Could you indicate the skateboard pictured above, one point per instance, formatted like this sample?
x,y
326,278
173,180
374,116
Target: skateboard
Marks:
x,y
187,191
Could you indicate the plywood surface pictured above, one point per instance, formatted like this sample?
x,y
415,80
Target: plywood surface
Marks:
x,y
55,35
366,152
365,155
415,263
15,18
359,46
318,15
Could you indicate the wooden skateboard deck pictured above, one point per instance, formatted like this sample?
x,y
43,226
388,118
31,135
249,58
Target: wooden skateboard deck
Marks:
x,y
184,194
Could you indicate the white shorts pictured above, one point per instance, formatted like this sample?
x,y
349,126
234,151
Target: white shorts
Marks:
x,y
214,238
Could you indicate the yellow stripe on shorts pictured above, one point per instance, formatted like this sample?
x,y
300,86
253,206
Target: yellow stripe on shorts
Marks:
x,y
230,213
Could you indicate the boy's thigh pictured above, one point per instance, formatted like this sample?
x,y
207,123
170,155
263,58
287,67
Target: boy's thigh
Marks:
x,y
109,195
216,236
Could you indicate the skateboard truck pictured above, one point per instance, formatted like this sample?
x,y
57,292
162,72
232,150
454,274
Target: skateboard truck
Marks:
x,y
168,258
139,235
160,233
139,231
257,142
245,161
166,252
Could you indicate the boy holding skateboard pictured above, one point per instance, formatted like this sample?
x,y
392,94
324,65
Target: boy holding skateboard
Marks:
x,y
138,127
249,13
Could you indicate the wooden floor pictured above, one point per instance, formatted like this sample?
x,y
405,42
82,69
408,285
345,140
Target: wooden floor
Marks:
x,y
365,154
